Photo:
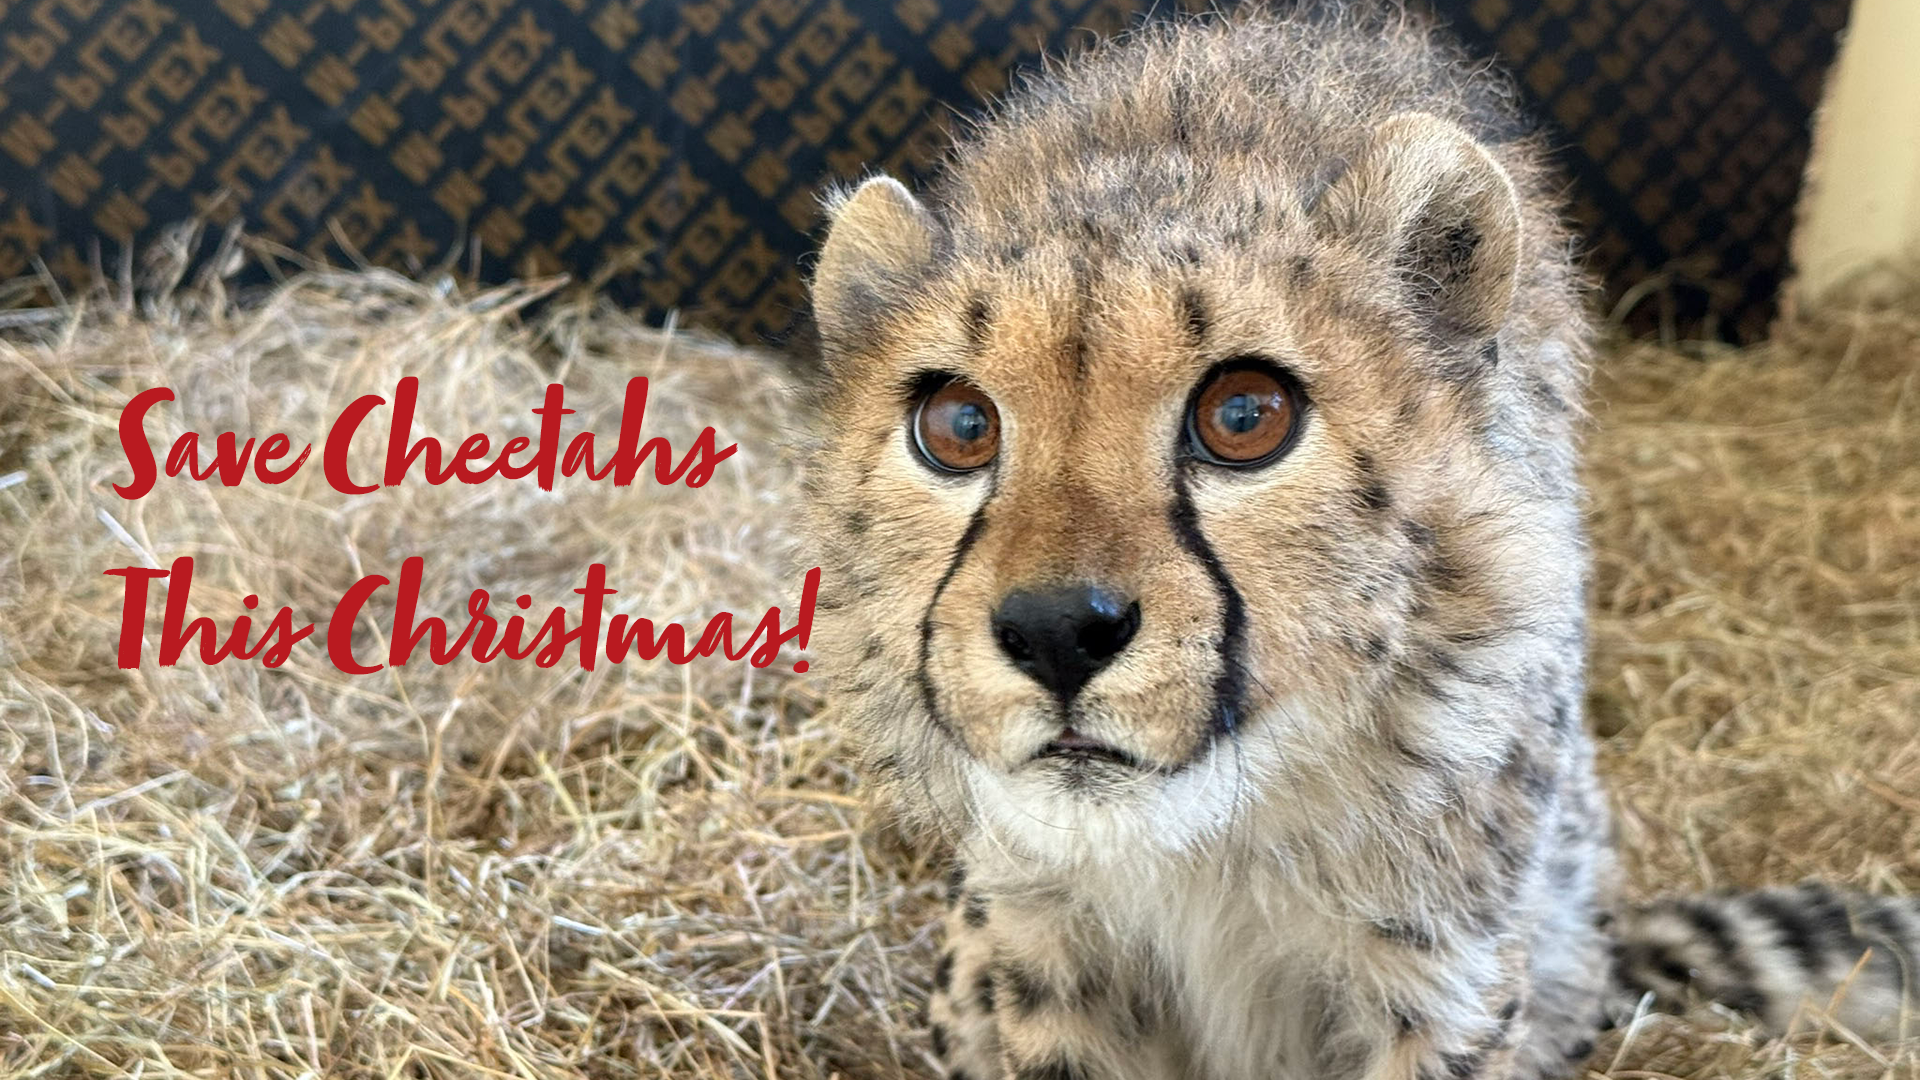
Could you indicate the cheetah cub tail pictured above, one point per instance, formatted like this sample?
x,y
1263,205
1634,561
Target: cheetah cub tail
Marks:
x,y
1768,951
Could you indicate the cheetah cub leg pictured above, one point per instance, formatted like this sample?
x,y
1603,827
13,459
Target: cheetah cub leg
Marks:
x,y
1452,1032
1021,994
960,1011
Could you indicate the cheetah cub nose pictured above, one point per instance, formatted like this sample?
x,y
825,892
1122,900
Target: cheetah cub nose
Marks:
x,y
1063,637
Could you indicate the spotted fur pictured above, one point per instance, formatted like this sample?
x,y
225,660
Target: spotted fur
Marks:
x,y
1344,820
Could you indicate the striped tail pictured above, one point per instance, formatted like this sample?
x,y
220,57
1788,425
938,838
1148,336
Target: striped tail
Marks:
x,y
1765,952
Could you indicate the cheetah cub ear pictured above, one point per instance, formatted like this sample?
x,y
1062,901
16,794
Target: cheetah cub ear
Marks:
x,y
1429,198
879,241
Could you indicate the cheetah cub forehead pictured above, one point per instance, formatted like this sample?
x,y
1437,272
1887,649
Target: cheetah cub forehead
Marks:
x,y
1189,437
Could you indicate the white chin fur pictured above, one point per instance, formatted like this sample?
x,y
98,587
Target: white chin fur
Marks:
x,y
1032,812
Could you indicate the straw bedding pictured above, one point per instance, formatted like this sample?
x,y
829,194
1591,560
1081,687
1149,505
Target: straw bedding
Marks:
x,y
650,870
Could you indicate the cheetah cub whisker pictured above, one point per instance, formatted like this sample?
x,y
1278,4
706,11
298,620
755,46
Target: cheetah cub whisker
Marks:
x,y
1196,492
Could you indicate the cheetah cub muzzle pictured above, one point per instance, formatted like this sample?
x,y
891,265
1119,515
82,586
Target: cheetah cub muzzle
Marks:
x,y
1204,562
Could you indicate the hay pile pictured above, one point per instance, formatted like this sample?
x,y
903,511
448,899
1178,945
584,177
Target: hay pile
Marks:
x,y
663,871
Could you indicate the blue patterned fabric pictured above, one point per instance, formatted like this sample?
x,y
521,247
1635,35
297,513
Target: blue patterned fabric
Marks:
x,y
679,148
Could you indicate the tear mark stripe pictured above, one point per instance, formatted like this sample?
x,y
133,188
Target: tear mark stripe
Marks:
x,y
1229,687
975,527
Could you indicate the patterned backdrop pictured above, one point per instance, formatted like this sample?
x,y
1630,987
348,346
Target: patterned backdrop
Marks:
x,y
678,148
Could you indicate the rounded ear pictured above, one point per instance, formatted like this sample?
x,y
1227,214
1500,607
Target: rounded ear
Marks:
x,y
1427,196
879,239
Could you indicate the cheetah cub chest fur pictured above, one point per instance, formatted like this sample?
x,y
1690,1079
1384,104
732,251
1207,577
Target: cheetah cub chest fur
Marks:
x,y
1204,562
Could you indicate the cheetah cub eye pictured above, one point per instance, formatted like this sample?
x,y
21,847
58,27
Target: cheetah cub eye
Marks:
x,y
954,425
1244,414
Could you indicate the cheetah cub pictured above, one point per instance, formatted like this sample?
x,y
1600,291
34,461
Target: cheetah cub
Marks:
x,y
1204,561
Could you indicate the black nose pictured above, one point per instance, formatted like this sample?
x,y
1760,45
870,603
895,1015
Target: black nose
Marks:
x,y
1061,637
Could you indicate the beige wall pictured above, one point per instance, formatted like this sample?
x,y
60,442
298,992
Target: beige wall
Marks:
x,y
1861,203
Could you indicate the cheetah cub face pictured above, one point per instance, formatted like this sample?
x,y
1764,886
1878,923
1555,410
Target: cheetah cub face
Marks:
x,y
1145,478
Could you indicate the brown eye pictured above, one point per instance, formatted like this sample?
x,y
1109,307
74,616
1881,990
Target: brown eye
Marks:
x,y
956,428
1243,415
